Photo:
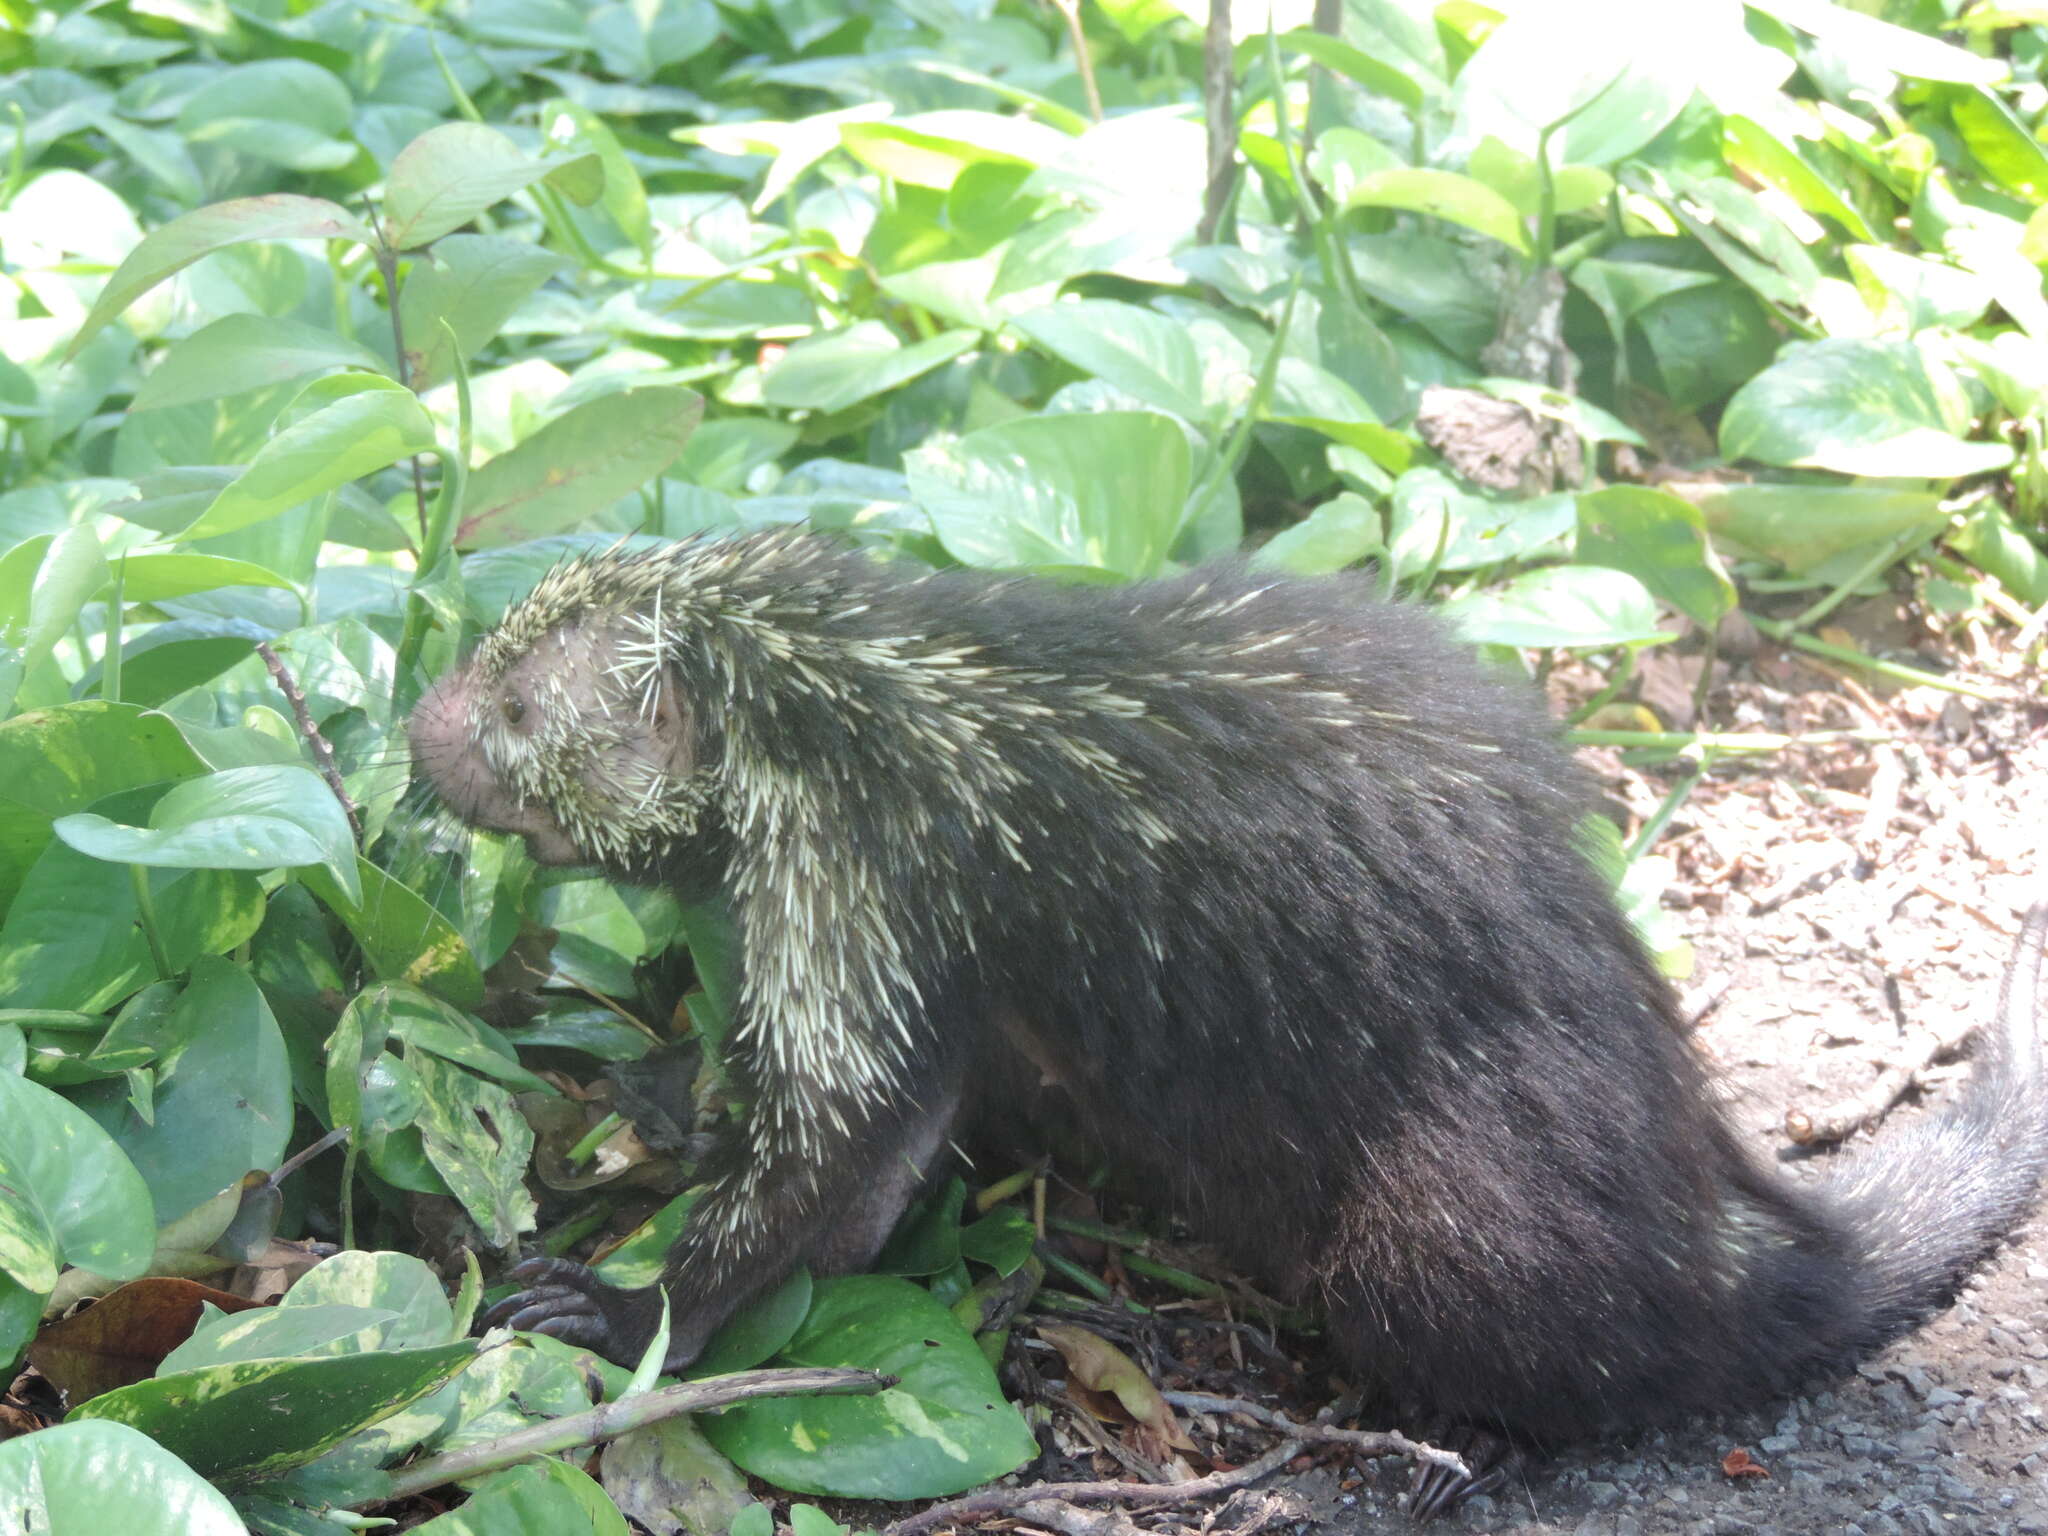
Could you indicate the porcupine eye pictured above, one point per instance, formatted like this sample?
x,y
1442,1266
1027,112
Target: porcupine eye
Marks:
x,y
513,708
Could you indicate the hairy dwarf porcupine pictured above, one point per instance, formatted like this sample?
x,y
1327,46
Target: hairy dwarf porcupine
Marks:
x,y
1286,893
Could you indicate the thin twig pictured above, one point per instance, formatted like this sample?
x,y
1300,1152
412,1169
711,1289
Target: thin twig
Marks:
x,y
1219,117
1004,1501
1071,10
1845,1117
1814,865
1365,1442
323,754
607,1421
408,373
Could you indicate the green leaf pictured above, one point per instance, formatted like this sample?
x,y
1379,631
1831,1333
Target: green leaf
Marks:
x,y
758,1330
1661,540
1639,886
793,146
578,464
256,1418
546,1496
667,1477
1341,532
450,174
77,1183
1434,282
1136,20
1310,395
1706,340
1623,289
1802,526
931,149
1433,521
56,761
1354,64
274,816
574,128
20,1311
479,1143
2001,143
1102,494
378,1097
943,1428
289,112
722,454
86,1476
280,216
1917,293
171,658
1745,234
275,1333
223,1101
29,1255
43,584
843,368
1340,160
1873,408
244,352
1137,351
1867,44
69,211
1443,195
1750,146
1568,607
640,1257
474,283
927,1237
73,937
1600,78
423,1122
394,1283
1991,539
402,936
152,578
1003,1240
377,423
1516,177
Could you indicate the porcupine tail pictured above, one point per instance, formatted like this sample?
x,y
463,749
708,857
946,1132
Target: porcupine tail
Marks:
x,y
1927,1202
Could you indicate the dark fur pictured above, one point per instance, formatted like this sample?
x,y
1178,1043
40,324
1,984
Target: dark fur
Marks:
x,y
1369,1017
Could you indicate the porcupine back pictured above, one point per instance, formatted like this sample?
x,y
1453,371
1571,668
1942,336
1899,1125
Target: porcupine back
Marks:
x,y
1287,893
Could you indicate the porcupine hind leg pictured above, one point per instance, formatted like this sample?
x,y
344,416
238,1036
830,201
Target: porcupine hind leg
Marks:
x,y
746,1234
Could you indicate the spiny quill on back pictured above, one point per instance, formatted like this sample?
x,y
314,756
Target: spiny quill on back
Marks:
x,y
1285,893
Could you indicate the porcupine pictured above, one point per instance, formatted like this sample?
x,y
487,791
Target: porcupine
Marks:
x,y
1285,891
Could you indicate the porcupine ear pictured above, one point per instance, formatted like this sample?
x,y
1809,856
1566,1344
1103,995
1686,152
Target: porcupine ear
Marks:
x,y
675,728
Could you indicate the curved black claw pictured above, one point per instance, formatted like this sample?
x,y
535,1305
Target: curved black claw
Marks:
x,y
1437,1490
567,1301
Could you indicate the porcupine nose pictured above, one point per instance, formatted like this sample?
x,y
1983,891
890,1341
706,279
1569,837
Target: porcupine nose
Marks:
x,y
438,737
431,733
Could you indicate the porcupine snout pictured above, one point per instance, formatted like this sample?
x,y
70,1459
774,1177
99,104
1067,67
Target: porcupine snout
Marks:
x,y
438,735
447,751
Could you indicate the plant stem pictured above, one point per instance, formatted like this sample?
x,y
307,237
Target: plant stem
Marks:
x,y
1896,671
595,1137
145,914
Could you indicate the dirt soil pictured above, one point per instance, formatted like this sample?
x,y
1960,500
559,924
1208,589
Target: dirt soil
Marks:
x,y
1851,905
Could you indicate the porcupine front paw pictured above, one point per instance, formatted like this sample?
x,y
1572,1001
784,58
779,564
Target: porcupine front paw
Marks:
x,y
567,1301
1437,1490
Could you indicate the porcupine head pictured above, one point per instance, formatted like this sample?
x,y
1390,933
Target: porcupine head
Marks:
x,y
567,725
